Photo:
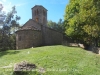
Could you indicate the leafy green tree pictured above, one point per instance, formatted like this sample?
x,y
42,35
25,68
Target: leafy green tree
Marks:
x,y
56,26
2,15
82,20
52,24
61,26
8,27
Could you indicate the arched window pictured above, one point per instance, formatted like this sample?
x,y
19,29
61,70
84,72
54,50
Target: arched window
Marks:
x,y
37,12
43,12
37,19
43,20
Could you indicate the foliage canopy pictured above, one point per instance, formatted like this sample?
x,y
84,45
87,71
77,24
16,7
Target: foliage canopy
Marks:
x,y
8,25
82,20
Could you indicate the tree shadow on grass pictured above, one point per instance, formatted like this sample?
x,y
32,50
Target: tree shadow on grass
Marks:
x,y
26,73
2,53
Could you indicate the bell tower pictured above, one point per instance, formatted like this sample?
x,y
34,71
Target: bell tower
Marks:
x,y
39,14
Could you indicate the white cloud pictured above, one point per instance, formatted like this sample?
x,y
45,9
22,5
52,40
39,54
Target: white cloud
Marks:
x,y
6,5
20,4
0,2
4,0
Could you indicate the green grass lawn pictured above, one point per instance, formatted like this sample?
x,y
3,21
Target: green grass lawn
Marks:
x,y
56,60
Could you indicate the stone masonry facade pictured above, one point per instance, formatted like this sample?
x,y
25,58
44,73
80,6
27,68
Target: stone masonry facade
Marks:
x,y
35,31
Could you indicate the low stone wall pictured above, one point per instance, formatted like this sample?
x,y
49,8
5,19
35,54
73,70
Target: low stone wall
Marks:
x,y
73,44
98,50
91,48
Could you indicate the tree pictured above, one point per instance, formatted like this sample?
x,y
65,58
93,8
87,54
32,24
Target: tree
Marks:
x,y
2,15
9,22
61,26
52,24
82,20
56,26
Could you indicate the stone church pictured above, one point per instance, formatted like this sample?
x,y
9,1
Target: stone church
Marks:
x,y
35,31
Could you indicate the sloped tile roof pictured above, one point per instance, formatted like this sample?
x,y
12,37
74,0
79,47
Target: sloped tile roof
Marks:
x,y
29,27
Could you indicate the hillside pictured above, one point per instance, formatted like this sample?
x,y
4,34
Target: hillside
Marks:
x,y
55,60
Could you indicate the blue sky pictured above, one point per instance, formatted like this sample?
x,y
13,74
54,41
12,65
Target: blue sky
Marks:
x,y
56,8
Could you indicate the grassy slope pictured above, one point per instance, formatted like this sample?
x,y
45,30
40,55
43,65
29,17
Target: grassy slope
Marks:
x,y
64,60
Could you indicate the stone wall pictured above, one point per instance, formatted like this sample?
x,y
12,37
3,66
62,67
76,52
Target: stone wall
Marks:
x,y
52,37
28,38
